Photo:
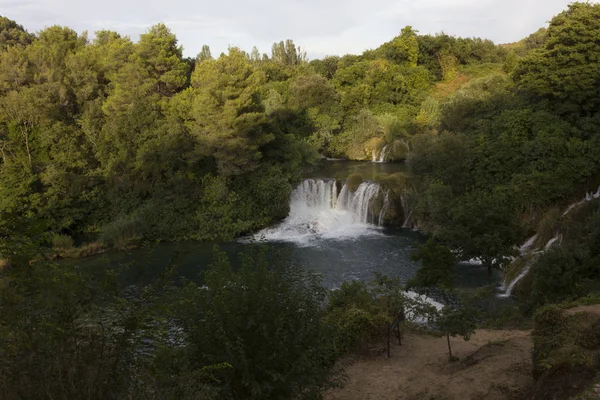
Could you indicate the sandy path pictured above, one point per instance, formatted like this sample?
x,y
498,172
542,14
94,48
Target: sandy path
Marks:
x,y
493,365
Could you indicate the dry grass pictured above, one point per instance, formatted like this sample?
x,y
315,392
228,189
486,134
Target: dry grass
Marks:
x,y
419,369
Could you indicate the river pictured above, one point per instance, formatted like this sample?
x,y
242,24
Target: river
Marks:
x,y
330,230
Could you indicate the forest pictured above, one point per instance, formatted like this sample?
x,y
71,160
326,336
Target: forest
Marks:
x,y
131,143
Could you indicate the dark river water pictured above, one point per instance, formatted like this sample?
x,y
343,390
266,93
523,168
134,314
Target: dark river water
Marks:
x,y
320,235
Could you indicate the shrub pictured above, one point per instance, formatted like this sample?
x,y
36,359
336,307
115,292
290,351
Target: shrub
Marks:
x,y
358,313
62,338
123,233
62,242
566,352
265,321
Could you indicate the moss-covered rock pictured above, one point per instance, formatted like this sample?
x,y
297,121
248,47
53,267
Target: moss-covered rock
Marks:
x,y
566,352
354,181
396,186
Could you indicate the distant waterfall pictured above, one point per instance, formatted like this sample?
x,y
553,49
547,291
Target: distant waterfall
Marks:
x,y
316,209
525,250
588,197
383,153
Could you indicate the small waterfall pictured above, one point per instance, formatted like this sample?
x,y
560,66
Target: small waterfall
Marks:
x,y
361,201
551,242
317,210
514,282
588,197
527,245
374,156
383,154
524,250
407,212
384,207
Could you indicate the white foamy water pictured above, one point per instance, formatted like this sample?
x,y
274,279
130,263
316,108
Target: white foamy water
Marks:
x,y
526,249
589,196
318,211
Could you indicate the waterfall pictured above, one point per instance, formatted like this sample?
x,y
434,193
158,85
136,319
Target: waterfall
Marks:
x,y
317,210
514,282
556,238
383,154
588,197
527,245
384,207
536,254
407,212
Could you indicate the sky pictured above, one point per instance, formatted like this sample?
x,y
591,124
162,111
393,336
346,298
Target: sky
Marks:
x,y
321,27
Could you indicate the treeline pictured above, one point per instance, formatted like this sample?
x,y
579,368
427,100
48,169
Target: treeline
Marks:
x,y
513,151
131,140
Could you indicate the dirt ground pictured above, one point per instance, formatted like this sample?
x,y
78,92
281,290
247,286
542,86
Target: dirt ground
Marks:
x,y
493,365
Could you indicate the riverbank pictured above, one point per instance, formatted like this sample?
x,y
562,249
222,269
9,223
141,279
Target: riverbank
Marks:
x,y
493,365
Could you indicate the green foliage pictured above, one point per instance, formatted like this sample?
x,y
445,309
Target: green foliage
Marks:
x,y
437,267
564,69
122,233
263,320
81,336
566,352
570,271
62,242
359,313
437,274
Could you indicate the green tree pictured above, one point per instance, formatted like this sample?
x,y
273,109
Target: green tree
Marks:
x,y
204,54
226,115
13,34
565,70
265,321
437,274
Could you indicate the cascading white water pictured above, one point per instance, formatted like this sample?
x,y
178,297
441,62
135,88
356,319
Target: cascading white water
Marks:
x,y
316,210
525,249
516,280
527,245
383,154
384,208
407,212
588,197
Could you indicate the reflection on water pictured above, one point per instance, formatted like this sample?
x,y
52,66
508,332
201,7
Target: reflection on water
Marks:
x,y
337,260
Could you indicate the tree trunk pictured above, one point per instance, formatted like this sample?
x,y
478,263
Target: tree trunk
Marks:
x,y
449,347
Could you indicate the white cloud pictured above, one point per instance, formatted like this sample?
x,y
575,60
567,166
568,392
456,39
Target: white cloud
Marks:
x,y
320,26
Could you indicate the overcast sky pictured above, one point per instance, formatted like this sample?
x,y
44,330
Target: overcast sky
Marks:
x,y
322,27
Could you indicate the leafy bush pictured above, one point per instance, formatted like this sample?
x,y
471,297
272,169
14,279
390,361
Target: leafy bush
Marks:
x,y
566,352
358,313
63,338
123,233
264,320
62,242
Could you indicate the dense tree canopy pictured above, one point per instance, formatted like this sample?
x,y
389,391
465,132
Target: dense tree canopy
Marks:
x,y
113,136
